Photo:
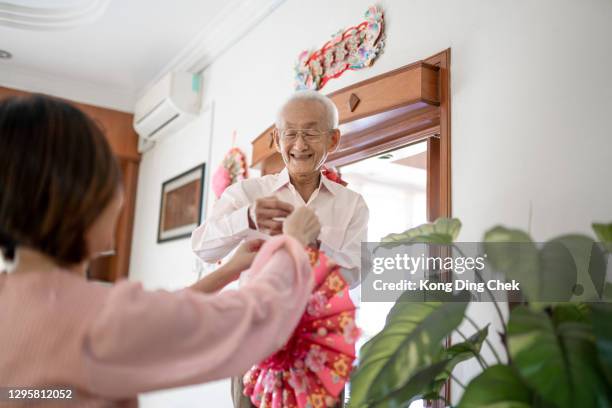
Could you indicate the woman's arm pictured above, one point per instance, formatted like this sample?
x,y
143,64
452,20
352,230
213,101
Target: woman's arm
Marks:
x,y
229,272
143,341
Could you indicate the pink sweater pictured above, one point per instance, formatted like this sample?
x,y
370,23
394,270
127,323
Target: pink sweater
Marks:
x,y
111,343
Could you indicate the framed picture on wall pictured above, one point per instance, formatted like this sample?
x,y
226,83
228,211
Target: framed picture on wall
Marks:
x,y
181,204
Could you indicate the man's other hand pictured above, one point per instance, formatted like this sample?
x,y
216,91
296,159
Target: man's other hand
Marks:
x,y
263,212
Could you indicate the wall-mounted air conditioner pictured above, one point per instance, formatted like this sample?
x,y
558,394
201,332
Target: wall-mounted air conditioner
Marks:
x,y
166,107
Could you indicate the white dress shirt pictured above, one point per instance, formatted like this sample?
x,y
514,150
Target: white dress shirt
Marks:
x,y
343,215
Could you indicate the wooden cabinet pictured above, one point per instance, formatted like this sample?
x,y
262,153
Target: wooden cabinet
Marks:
x,y
117,127
123,140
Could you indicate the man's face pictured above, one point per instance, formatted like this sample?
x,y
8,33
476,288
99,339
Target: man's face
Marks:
x,y
305,153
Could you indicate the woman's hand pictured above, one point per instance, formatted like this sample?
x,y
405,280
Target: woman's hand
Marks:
x,y
241,260
303,225
244,255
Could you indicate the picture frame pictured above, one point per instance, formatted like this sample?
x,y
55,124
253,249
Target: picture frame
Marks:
x,y
182,199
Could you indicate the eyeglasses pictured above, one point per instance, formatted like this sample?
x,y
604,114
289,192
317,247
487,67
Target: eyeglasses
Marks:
x,y
309,135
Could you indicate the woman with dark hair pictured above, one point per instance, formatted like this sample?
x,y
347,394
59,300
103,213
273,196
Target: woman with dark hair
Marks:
x,y
60,197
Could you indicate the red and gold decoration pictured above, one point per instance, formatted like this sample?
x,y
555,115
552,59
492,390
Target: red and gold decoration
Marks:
x,y
333,175
350,49
233,169
310,371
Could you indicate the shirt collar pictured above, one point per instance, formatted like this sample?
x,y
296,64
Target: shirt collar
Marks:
x,y
331,186
283,179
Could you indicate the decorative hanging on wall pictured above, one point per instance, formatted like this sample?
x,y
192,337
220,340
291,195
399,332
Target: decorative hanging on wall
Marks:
x,y
233,169
350,49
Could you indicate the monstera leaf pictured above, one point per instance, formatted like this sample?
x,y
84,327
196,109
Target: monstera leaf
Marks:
x,y
413,389
454,355
557,272
558,363
400,357
498,386
591,265
513,253
571,312
563,268
443,231
604,234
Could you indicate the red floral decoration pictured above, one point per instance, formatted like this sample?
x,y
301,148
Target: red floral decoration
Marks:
x,y
313,367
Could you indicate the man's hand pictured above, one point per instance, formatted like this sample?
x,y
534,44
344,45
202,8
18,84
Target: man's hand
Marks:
x,y
263,212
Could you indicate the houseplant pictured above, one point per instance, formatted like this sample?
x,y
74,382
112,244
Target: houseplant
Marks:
x,y
555,354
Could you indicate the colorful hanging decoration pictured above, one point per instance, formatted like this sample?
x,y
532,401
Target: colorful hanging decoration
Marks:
x,y
313,367
233,169
354,48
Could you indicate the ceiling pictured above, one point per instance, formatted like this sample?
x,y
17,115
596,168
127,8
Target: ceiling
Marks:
x,y
106,52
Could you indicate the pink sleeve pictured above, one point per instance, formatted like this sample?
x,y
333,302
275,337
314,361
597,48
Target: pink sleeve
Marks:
x,y
144,341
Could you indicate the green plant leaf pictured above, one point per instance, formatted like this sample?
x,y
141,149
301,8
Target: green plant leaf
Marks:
x,y
513,253
607,293
602,329
571,312
591,265
557,273
413,389
498,386
588,384
604,234
443,231
456,354
558,363
410,342
537,354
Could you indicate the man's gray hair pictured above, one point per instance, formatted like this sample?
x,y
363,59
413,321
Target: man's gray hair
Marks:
x,y
310,95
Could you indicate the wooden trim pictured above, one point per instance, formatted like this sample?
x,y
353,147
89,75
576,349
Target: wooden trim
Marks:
x,y
442,61
439,168
120,264
384,137
117,126
377,78
433,178
400,93
413,83
383,146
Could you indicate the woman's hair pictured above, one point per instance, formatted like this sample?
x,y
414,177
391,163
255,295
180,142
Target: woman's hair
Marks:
x,y
57,175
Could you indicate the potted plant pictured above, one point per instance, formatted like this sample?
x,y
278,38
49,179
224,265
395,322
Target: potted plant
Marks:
x,y
555,354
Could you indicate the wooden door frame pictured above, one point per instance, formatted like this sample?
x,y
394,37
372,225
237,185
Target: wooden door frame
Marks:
x,y
437,134
438,139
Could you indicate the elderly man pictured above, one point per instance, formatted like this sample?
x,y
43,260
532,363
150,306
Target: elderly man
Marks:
x,y
306,131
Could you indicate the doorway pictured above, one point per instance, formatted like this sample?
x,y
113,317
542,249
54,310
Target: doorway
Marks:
x,y
394,185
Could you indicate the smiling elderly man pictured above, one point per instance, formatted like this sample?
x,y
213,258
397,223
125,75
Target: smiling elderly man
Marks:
x,y
306,131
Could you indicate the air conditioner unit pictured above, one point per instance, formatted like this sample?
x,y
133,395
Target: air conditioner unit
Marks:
x,y
166,107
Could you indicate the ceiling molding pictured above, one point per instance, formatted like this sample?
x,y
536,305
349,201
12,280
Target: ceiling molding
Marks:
x,y
32,15
75,90
236,19
234,22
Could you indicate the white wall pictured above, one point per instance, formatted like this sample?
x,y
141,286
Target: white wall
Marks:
x,y
530,108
